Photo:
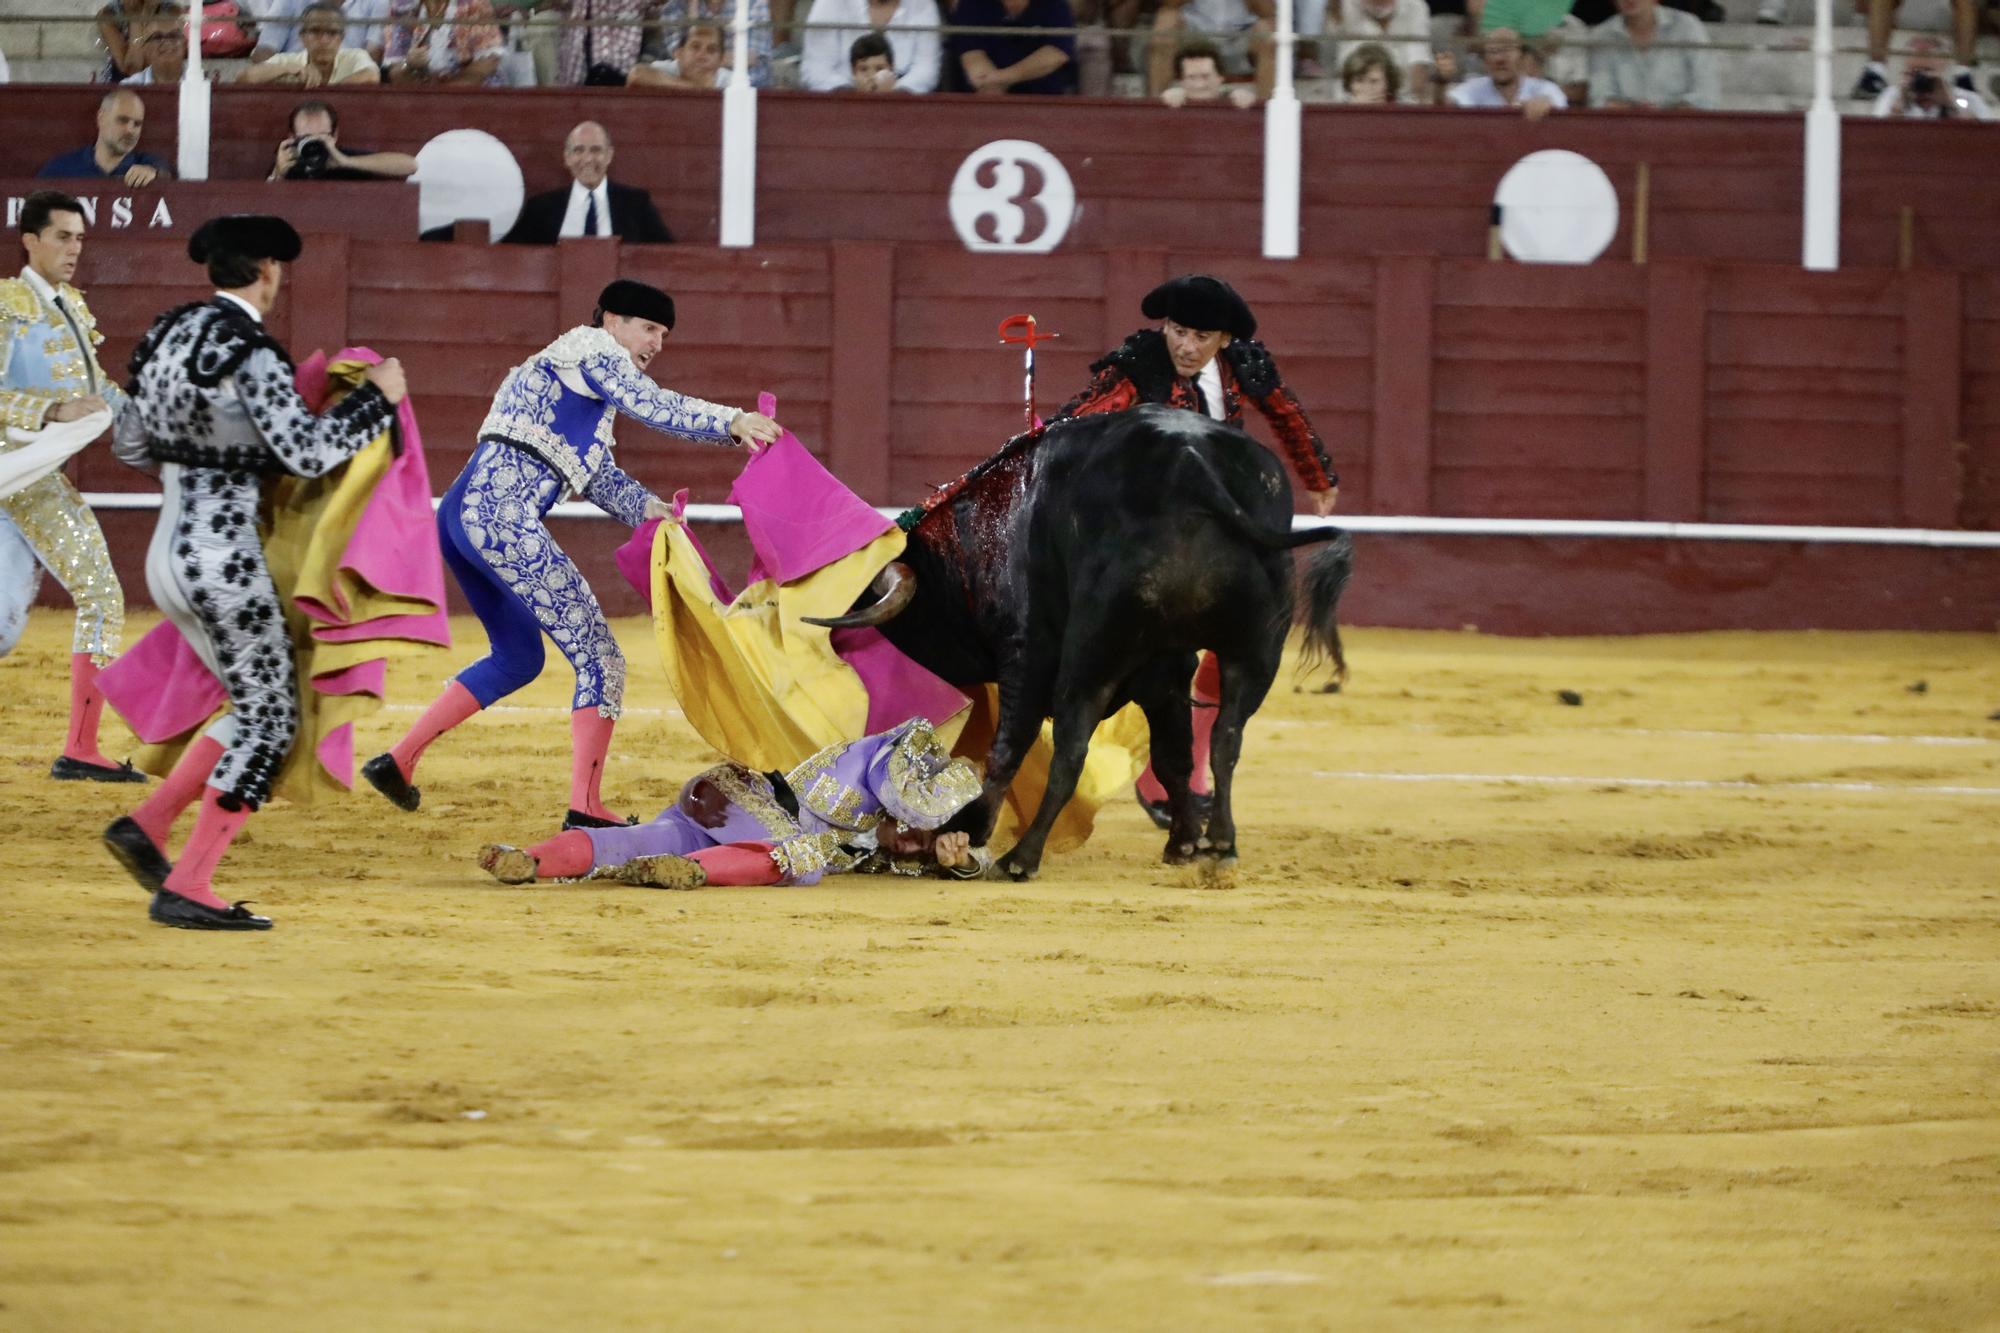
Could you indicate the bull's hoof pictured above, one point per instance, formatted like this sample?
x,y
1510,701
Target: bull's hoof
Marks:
x,y
1178,853
1220,853
1020,873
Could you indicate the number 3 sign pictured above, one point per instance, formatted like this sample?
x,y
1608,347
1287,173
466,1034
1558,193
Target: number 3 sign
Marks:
x,y
1012,196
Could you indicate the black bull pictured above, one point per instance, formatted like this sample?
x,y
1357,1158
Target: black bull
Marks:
x,y
1085,568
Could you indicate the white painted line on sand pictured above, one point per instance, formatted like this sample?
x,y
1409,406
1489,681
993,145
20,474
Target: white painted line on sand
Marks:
x,y
1667,784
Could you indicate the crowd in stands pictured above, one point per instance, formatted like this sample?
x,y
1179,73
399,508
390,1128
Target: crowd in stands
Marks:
x,y
1536,56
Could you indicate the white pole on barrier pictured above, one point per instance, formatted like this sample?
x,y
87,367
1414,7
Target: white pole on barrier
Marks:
x,y
739,142
192,160
1281,148
1822,229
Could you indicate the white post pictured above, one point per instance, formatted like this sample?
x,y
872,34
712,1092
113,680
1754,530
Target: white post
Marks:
x,y
1281,148
739,142
193,158
1822,204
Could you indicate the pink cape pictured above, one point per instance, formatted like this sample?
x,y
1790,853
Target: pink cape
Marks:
x,y
799,517
163,689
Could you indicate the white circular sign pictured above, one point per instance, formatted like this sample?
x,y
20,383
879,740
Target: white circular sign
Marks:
x,y
1556,207
470,176
1012,196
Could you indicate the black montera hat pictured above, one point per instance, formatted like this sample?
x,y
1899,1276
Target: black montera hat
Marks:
x,y
636,300
1200,302
247,235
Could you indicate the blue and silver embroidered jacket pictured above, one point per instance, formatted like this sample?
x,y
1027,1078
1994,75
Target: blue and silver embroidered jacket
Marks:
x,y
559,406
47,355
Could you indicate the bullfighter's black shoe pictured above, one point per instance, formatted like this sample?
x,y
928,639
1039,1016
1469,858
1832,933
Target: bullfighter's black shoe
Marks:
x,y
509,865
664,871
1162,817
135,851
384,776
578,819
170,909
66,769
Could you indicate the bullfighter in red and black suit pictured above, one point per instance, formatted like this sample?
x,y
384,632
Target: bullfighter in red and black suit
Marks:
x,y
1205,357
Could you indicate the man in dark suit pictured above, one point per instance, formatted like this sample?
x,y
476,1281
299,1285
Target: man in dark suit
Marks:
x,y
590,205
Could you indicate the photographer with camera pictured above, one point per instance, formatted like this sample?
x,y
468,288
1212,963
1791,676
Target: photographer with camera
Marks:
x,y
313,152
1927,92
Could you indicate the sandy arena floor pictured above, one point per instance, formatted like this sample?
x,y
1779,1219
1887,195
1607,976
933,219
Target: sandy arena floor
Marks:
x,y
1680,1008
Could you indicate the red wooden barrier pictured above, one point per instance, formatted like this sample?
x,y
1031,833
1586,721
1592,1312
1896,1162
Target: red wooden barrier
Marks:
x,y
1401,179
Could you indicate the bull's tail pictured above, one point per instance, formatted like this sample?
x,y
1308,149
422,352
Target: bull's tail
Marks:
x,y
1325,578
1216,497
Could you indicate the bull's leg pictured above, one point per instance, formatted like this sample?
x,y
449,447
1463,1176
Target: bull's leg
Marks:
x,y
1024,702
1161,692
1245,682
1081,708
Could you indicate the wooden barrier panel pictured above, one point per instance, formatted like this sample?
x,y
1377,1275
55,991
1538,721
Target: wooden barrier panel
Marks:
x,y
170,208
1412,180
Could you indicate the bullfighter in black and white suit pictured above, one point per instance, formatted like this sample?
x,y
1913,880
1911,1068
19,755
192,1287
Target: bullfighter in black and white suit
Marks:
x,y
214,408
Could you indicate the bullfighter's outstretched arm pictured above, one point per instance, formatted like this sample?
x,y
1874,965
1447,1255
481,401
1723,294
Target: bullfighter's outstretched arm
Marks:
x,y
1257,376
612,377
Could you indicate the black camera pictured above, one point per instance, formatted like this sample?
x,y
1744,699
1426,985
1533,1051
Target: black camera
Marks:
x,y
1923,83
313,160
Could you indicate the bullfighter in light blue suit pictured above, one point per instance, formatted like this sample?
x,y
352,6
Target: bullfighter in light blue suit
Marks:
x,y
49,373
547,435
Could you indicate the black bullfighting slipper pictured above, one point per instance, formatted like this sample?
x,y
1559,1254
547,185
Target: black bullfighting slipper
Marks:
x,y
665,871
135,851
1163,817
384,776
578,819
66,769
170,909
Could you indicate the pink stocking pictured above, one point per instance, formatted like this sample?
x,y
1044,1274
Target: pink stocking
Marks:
x,y
1207,691
214,829
738,864
86,706
565,856
182,787
448,710
589,742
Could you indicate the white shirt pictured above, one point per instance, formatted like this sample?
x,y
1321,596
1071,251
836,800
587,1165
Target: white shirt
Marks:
x,y
914,49
252,310
4,75
579,204
1481,92
41,286
1209,380
673,67
1971,106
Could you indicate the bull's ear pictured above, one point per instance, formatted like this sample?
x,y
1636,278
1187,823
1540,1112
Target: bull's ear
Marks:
x,y
893,589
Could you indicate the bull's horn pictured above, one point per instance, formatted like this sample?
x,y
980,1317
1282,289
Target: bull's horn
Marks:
x,y
893,587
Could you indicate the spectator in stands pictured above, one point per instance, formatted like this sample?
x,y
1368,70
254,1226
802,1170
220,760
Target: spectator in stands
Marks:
x,y
1561,56
872,64
600,42
1198,77
1927,92
323,61
697,62
1005,62
1648,56
1368,75
164,49
675,14
443,41
121,118
1401,27
313,152
1240,28
592,204
910,25
1504,84
121,26
1874,79
278,23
